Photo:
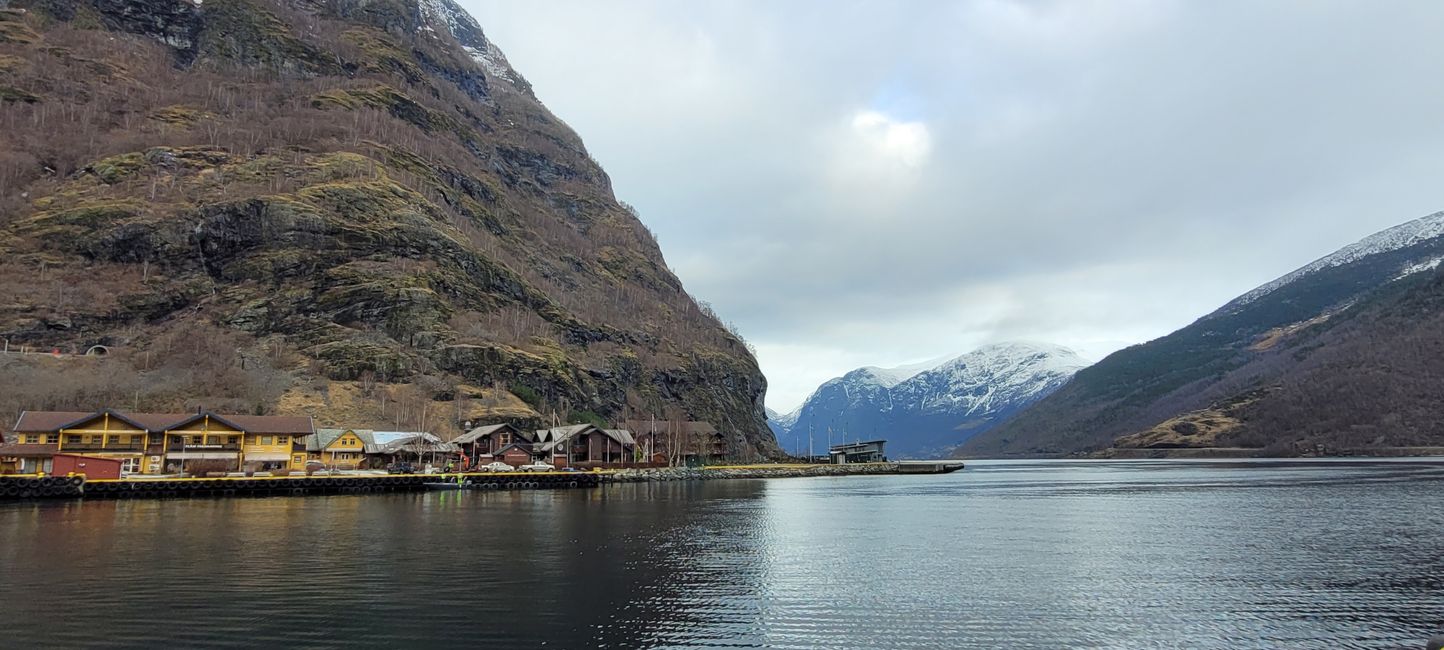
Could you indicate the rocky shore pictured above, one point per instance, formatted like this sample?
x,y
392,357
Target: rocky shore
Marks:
x,y
748,471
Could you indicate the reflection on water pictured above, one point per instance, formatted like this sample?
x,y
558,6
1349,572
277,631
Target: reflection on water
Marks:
x,y
1019,555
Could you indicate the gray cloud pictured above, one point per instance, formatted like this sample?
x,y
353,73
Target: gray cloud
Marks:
x,y
876,183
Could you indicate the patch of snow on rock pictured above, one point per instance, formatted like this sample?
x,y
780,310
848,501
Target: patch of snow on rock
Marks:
x,y
1421,267
458,23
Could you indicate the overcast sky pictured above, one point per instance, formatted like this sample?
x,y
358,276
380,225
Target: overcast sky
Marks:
x,y
878,183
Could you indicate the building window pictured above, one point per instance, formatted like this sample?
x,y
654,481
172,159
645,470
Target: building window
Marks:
x,y
505,438
265,440
198,440
72,439
283,440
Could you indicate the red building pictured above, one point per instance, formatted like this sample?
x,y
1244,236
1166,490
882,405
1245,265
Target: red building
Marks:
x,y
91,467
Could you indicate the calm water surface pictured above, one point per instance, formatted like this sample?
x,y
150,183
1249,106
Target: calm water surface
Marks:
x,y
1002,555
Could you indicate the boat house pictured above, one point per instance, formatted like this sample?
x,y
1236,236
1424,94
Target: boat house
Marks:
x,y
870,451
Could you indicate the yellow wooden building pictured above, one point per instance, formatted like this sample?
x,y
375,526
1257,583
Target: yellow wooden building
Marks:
x,y
154,443
339,448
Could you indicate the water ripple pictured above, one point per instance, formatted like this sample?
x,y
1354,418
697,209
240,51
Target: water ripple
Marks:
x,y
1011,555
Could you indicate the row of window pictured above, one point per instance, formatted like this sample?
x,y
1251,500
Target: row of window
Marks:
x,y
122,439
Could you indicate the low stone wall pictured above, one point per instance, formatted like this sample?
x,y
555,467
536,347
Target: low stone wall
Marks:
x,y
749,471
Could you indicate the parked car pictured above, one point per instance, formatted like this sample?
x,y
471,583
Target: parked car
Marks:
x,y
538,467
496,466
400,468
315,467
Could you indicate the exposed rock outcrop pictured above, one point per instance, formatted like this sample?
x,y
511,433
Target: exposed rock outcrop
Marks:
x,y
322,191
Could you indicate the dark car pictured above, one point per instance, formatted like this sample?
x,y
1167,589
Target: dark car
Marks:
x,y
400,468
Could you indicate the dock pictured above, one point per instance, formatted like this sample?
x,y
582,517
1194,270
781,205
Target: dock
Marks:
x,y
61,487
929,466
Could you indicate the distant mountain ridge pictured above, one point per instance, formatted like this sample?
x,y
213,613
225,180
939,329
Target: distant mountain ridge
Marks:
x,y
1402,236
1282,370
923,410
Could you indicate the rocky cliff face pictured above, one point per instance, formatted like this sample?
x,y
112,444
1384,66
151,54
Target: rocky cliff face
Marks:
x,y
350,207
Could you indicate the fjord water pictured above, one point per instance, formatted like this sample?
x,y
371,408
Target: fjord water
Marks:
x,y
1143,554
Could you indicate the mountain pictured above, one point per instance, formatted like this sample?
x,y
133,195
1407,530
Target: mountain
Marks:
x,y
351,208
1340,356
778,422
925,410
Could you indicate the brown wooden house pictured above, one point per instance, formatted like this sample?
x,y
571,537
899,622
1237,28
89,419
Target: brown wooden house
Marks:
x,y
685,441
496,442
585,445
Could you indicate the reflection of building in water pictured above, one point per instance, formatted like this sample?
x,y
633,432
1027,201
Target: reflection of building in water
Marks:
x,y
870,451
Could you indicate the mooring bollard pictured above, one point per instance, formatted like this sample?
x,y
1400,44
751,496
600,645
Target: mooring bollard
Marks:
x,y
1436,643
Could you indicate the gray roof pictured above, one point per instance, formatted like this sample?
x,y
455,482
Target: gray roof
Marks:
x,y
856,445
394,442
620,435
486,430
410,442
383,442
550,439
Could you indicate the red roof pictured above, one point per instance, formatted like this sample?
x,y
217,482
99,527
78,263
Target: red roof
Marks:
x,y
53,421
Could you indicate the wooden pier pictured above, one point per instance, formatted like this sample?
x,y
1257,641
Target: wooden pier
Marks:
x,y
929,466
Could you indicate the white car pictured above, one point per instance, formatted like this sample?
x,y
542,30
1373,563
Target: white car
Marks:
x,y
538,467
497,466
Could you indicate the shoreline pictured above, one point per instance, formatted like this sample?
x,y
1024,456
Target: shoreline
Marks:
x,y
30,487
724,472
1203,453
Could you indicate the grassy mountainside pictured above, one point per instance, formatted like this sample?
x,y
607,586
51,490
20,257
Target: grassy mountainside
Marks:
x,y
1333,358
356,208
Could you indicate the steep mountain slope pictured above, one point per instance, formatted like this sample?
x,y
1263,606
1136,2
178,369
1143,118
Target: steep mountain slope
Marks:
x,y
355,208
1354,323
923,411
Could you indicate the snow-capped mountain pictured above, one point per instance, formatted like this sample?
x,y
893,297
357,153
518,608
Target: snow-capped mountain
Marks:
x,y
1342,352
1399,237
780,423
924,410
